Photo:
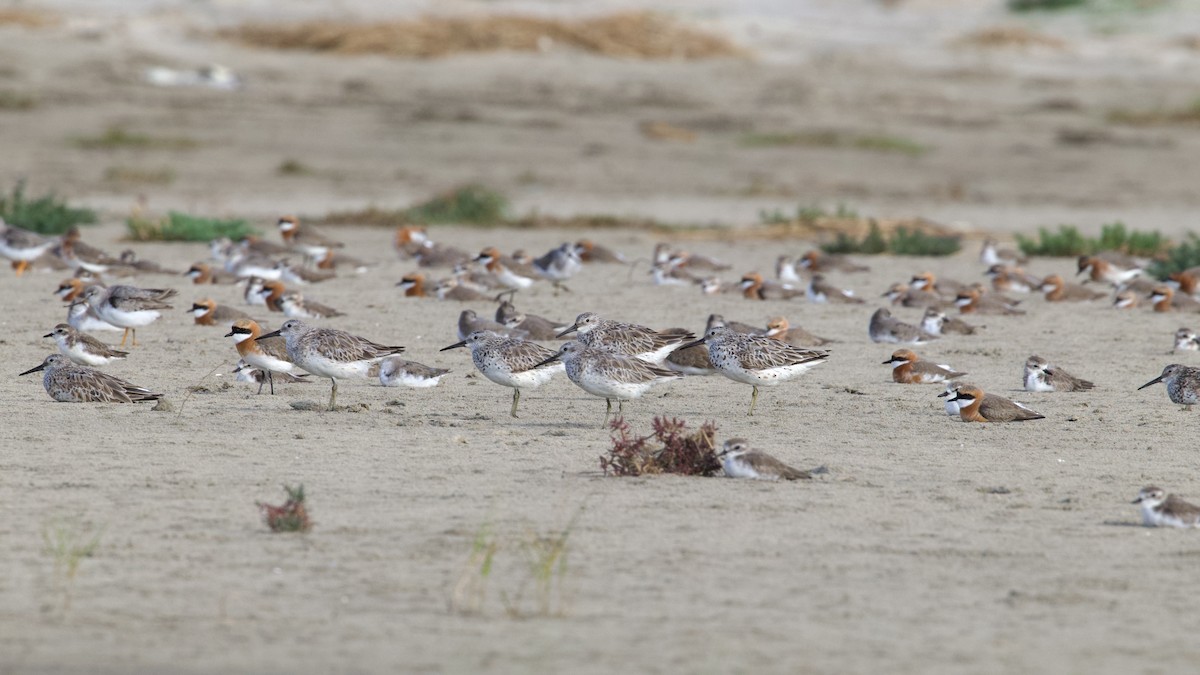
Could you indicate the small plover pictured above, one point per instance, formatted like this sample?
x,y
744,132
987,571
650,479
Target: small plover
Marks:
x,y
248,373
821,291
973,301
589,252
470,322
510,272
69,383
307,240
739,461
1160,509
128,307
975,406
884,328
1104,271
559,265
537,327
816,261
203,273
397,372
1186,340
991,254
778,328
296,306
1165,299
266,354
908,368
935,322
1041,376
1057,290
754,287
83,348
21,246
207,312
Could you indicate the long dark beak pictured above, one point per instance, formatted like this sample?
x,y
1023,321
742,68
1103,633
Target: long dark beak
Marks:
x,y
48,335
691,344
1154,381
456,345
574,327
273,333
552,358
40,366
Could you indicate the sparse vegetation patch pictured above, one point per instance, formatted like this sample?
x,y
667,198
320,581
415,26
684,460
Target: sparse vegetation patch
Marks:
x,y
669,448
48,214
183,227
1067,241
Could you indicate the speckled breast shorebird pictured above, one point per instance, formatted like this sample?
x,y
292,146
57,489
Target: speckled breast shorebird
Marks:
x,y
1183,384
609,375
69,383
510,361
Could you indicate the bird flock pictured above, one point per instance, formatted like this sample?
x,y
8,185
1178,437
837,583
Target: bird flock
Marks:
x,y
604,357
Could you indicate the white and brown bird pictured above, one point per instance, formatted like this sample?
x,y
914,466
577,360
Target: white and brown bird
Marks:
x,y
206,312
305,239
82,348
754,287
935,322
1160,509
908,368
70,383
975,406
266,354
739,460
821,291
128,307
1057,290
973,301
1041,376
778,328
1183,384
885,328
21,246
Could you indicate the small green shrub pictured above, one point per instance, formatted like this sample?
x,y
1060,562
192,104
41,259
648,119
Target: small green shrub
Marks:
x,y
182,227
47,214
902,242
1038,5
469,204
805,214
1182,256
1066,242
1069,242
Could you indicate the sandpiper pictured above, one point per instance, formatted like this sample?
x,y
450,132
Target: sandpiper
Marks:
x,y
332,353
975,406
1186,340
907,296
206,312
1041,376
754,287
1160,509
1125,300
128,307
509,361
130,259
267,354
510,272
1183,384
757,360
935,322
453,289
715,320
991,254
626,338
559,265
538,328
22,247
740,461
884,328
75,254
589,252
778,328
83,318
203,273
69,383
305,239
691,361
609,375
816,261
83,348
908,368
248,373
820,291
927,281
785,270
397,372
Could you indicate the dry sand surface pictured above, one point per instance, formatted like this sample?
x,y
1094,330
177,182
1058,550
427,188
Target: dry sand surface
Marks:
x,y
929,546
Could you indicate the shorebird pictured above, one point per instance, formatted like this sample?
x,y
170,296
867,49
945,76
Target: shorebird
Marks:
x,y
1183,384
906,296
267,354
296,306
308,241
128,307
22,247
666,275
83,348
691,361
510,361
975,406
207,312
816,261
820,291
413,285
559,265
1041,376
626,338
689,260
510,272
248,373
253,293
972,301
739,461
1164,299
1125,300
935,322
452,289
990,254
1057,290
785,270
332,353
714,286
83,318
1105,271
130,259
927,281
397,372
609,375
300,276
757,360
715,320
76,254
1160,509
778,328
754,287
908,368
884,328
69,383
203,273
1186,340
70,289
589,252
1011,279
470,322
951,393
537,327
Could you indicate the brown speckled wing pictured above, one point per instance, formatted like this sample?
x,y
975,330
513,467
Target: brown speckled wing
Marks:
x,y
762,353
523,355
341,346
132,299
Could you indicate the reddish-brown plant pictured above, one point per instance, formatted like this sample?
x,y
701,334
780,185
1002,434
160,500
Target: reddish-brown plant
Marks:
x,y
291,516
669,448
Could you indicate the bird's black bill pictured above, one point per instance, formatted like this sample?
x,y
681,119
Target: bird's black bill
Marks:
x,y
34,369
552,358
273,333
1154,381
691,344
456,345
48,335
568,331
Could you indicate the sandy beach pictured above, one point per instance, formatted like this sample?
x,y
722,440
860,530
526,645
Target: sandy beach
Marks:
x,y
930,545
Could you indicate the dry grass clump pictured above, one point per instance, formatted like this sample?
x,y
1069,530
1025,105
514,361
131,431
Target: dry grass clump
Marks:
x,y
1002,37
633,35
668,449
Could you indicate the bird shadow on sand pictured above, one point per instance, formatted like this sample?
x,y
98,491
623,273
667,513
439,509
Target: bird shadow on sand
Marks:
x,y
1123,523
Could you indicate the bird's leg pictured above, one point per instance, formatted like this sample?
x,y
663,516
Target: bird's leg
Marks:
x,y
124,336
20,266
516,399
260,386
753,400
607,411
271,380
620,406
133,335
333,394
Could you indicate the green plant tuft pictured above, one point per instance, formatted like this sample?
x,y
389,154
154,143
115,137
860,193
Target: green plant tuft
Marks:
x,y
117,138
47,214
469,204
183,227
902,242
1069,242
1182,256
